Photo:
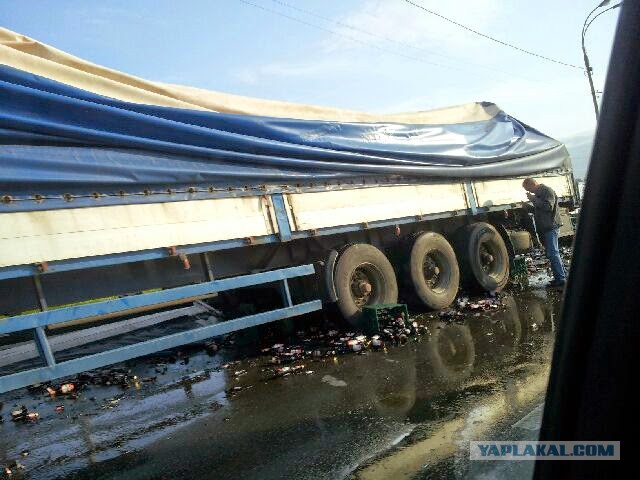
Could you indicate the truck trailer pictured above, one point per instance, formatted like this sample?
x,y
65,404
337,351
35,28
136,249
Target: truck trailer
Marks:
x,y
131,201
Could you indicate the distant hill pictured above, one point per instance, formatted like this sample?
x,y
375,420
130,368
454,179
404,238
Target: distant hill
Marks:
x,y
579,147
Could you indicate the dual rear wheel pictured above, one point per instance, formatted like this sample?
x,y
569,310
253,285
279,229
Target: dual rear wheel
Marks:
x,y
430,272
483,256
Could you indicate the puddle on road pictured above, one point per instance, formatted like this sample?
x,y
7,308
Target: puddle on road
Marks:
x,y
460,380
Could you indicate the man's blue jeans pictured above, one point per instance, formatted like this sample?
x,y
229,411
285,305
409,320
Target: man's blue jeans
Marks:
x,y
553,254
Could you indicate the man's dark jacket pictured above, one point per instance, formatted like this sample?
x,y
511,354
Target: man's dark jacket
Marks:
x,y
545,203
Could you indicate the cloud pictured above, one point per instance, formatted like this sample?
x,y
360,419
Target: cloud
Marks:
x,y
279,70
394,29
398,25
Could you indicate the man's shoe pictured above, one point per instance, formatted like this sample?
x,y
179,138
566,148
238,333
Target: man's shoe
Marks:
x,y
557,283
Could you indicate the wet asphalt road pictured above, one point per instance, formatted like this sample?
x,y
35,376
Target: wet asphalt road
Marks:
x,y
405,412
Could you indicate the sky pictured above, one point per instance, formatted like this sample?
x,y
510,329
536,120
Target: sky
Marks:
x,y
372,55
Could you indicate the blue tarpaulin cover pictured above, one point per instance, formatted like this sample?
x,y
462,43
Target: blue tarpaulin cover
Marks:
x,y
57,139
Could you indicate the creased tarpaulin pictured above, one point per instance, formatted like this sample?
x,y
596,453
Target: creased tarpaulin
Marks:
x,y
57,138
29,55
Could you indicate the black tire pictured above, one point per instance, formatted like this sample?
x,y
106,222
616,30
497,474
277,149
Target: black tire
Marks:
x,y
483,257
358,265
432,270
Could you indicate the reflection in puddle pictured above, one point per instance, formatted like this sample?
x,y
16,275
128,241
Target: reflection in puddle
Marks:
x,y
456,382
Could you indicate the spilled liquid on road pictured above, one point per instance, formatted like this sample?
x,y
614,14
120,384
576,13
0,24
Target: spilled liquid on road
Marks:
x,y
403,412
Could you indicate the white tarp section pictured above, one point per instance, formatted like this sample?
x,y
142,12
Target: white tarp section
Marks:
x,y
24,53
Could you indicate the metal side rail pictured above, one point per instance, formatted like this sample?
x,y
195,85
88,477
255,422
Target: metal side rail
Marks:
x,y
38,321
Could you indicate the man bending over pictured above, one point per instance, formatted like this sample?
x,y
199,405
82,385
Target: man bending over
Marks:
x,y
545,204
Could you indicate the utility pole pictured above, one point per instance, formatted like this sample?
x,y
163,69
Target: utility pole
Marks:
x,y
587,65
588,68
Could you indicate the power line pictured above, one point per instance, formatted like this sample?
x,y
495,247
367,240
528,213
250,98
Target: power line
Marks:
x,y
357,29
349,37
489,37
388,39
353,39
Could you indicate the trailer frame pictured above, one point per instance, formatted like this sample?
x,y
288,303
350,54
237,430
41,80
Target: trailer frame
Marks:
x,y
37,322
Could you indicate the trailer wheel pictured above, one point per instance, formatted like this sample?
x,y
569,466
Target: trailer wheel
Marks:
x,y
483,256
433,270
363,276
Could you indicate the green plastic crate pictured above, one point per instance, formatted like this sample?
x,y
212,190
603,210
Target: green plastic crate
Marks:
x,y
518,271
369,321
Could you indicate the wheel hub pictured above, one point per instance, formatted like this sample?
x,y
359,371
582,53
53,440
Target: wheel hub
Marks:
x,y
364,287
487,259
431,271
361,287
